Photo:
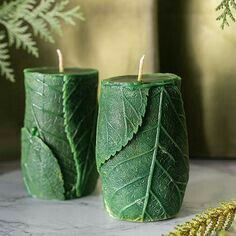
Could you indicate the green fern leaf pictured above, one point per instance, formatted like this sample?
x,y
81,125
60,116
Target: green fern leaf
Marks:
x,y
23,7
7,9
5,65
43,7
67,16
58,12
39,28
24,19
53,22
226,7
20,36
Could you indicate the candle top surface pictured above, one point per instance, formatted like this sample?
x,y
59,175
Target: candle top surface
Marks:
x,y
147,80
55,71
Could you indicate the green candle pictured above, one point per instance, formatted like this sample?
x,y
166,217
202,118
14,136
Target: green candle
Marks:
x,y
142,147
58,138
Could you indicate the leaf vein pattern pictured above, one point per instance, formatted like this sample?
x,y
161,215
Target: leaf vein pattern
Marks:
x,y
74,110
89,148
130,183
54,88
124,114
161,205
135,111
67,97
130,205
171,179
154,155
33,90
46,176
173,108
127,118
47,111
108,123
171,139
167,153
130,159
81,138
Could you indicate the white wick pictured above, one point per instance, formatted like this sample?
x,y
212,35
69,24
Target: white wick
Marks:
x,y
140,71
60,58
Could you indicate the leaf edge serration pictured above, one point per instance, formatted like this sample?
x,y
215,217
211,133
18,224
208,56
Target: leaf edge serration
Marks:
x,y
66,128
25,131
128,139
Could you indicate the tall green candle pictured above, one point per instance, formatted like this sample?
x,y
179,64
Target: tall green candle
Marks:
x,y
142,147
58,138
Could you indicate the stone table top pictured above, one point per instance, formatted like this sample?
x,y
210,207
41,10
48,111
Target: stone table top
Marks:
x,y
210,182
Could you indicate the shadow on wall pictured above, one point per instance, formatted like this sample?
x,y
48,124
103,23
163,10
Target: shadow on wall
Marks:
x,y
175,57
223,95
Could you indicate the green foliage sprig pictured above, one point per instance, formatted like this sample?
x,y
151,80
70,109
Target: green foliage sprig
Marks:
x,y
23,20
226,6
211,220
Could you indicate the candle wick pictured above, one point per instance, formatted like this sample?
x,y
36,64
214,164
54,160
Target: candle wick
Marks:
x,y
60,58
140,71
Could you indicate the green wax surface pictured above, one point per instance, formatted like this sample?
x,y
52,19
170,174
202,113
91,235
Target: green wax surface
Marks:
x,y
148,80
67,71
142,147
59,125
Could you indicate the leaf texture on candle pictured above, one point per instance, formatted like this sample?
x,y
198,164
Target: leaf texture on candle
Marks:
x,y
40,166
44,111
55,108
81,133
146,179
119,124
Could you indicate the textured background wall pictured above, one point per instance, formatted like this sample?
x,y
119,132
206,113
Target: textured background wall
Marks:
x,y
114,37
193,46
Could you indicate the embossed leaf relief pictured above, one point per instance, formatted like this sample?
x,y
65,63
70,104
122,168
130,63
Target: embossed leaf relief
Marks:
x,y
81,133
118,121
56,109
44,111
146,179
42,174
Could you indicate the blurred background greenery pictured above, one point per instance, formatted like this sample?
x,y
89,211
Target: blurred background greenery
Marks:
x,y
178,36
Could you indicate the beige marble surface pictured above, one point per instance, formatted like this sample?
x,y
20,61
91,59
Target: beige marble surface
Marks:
x,y
210,182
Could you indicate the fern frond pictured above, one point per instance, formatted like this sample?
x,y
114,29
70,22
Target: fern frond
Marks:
x,y
8,8
23,19
43,7
58,13
5,65
39,28
23,7
20,36
212,220
226,7
69,15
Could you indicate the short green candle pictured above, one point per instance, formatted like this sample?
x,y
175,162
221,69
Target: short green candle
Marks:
x,y
142,147
58,138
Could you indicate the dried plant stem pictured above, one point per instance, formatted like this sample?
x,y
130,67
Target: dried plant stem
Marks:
x,y
211,220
